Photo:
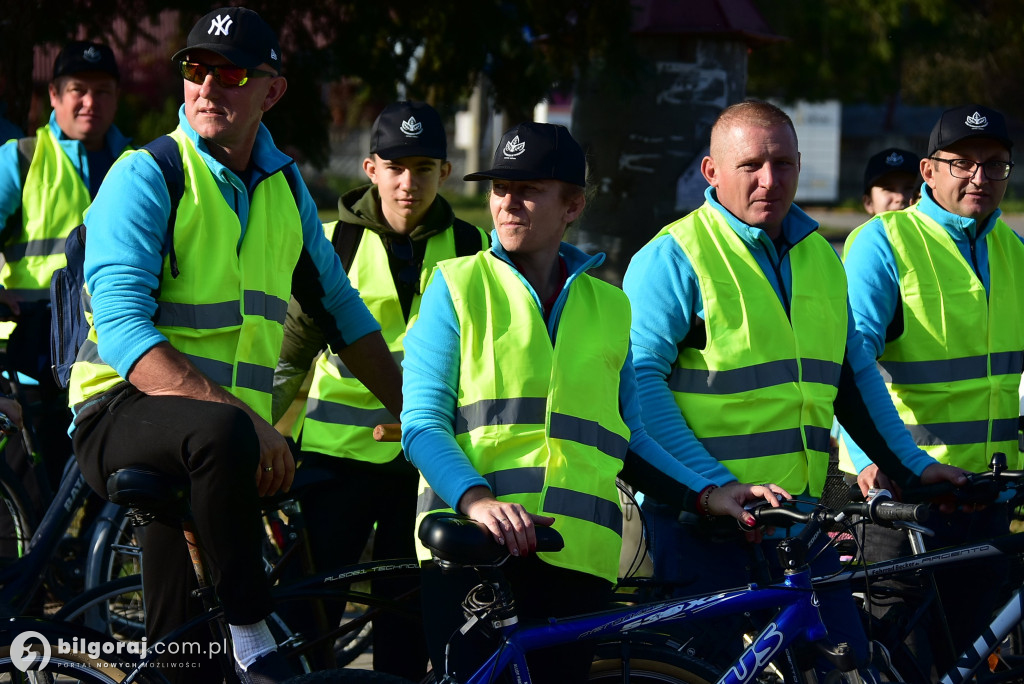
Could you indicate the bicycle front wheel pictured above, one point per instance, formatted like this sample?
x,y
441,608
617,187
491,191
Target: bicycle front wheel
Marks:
x,y
649,663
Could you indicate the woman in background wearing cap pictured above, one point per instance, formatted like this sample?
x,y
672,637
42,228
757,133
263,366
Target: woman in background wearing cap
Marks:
x,y
520,406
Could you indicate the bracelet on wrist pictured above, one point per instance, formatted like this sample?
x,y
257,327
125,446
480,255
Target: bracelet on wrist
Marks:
x,y
704,498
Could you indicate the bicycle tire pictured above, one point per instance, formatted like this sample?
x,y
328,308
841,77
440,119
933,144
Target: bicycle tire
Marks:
x,y
114,549
348,676
114,608
650,663
17,522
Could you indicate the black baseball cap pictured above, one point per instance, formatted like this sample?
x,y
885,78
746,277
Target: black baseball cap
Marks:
x,y
537,151
81,55
237,34
968,121
408,129
890,160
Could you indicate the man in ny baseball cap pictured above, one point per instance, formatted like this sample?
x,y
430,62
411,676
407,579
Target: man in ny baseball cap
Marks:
x,y
537,151
237,34
891,180
932,287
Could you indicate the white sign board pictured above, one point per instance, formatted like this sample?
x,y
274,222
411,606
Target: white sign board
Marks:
x,y
818,127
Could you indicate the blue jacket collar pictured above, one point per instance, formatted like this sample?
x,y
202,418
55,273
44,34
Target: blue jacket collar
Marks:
x,y
959,227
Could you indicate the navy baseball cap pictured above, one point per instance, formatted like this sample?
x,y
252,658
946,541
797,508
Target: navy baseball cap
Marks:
x,y
890,160
968,121
82,55
236,34
408,129
537,151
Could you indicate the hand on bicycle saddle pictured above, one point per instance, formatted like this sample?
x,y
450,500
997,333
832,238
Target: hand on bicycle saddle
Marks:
x,y
510,523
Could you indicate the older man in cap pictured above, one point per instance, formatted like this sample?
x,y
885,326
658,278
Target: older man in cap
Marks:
x,y
47,181
187,323
937,292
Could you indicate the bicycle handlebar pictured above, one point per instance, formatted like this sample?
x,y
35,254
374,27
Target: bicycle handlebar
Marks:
x,y
879,510
980,488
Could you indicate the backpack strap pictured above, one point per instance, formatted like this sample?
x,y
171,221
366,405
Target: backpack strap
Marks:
x,y
468,238
26,150
345,240
165,152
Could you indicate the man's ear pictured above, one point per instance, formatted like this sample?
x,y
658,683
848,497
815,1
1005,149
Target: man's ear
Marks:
x,y
278,86
928,172
707,169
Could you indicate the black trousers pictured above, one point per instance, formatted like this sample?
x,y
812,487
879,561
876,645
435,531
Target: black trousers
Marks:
x,y
215,449
540,590
341,512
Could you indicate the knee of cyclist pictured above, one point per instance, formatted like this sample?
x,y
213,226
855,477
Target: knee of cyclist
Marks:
x,y
225,431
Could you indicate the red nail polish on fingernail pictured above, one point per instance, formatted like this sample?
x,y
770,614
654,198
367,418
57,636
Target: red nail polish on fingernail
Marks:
x,y
750,520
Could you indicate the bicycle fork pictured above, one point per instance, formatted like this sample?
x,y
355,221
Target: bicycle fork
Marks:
x,y
978,652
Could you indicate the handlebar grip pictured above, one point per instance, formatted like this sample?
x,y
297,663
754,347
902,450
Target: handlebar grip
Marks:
x,y
894,511
388,432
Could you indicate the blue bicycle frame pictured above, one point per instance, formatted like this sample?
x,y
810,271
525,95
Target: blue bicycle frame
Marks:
x,y
797,620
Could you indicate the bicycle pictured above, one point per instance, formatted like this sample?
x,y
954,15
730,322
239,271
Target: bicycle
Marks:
x,y
630,646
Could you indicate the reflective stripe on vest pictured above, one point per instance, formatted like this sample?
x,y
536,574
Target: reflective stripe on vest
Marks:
x,y
53,201
954,373
340,413
760,396
235,342
541,424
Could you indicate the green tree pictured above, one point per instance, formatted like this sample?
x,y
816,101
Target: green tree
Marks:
x,y
382,47
923,52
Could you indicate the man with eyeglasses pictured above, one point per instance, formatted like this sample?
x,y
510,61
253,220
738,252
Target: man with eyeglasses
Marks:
x,y
187,325
937,291
47,181
391,234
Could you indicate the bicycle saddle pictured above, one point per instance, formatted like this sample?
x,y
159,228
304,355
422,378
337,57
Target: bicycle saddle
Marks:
x,y
149,491
459,540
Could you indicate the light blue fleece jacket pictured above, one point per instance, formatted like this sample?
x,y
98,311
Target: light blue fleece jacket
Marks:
x,y
874,282
664,293
127,227
431,382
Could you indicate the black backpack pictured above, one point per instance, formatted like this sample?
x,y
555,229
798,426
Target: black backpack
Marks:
x,y
68,325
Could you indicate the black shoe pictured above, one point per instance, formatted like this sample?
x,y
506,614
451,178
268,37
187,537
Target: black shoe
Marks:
x,y
271,668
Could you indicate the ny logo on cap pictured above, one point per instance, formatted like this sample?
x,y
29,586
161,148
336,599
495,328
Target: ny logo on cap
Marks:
x,y
976,121
894,159
514,148
220,25
412,127
91,54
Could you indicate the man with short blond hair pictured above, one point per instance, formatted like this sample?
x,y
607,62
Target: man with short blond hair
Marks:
x,y
744,351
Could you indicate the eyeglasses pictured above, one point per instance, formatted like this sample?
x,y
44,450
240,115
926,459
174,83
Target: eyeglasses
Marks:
x,y
965,168
227,75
